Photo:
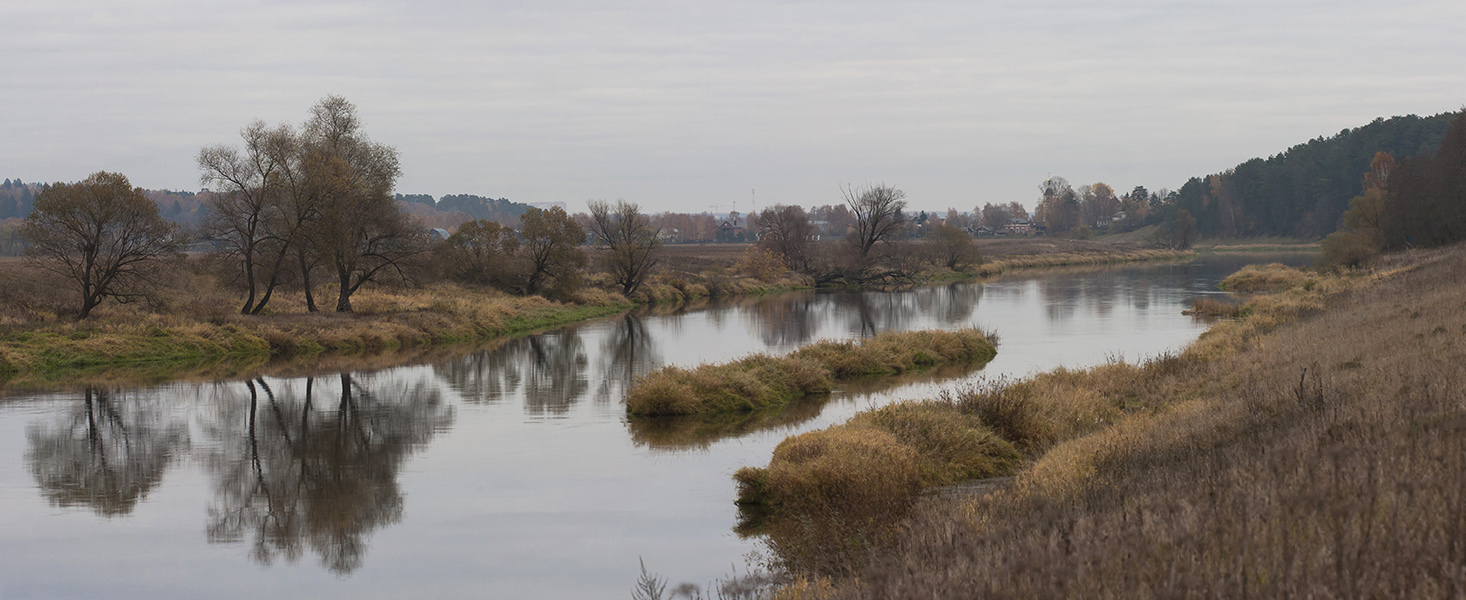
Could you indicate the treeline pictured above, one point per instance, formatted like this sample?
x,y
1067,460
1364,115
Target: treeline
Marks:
x,y
1419,201
1300,192
452,210
1304,190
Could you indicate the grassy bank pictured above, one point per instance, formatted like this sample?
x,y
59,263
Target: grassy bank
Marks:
x,y
1077,432
760,381
999,265
143,341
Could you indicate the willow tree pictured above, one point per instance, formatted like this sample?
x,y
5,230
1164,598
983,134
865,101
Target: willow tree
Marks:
x,y
552,249
359,230
253,209
103,234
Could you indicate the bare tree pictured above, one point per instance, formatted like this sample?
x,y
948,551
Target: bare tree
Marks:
x,y
878,216
360,230
102,233
629,242
787,232
251,210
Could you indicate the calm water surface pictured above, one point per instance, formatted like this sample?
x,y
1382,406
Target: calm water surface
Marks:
x,y
507,473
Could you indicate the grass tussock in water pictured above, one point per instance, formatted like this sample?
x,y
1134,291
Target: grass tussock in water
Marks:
x,y
1312,448
1273,277
761,381
878,460
1207,307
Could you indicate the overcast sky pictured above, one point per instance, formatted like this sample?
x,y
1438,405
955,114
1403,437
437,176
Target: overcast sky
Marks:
x,y
681,105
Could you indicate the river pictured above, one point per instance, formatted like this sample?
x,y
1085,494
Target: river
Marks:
x,y
511,472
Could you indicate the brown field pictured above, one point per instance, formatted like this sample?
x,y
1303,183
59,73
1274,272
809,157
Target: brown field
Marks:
x,y
1314,448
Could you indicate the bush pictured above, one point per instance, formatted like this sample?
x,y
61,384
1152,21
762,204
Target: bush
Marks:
x,y
1348,249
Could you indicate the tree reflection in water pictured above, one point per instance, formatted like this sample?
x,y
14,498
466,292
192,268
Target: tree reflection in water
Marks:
x,y
787,321
870,313
106,454
294,470
629,350
550,368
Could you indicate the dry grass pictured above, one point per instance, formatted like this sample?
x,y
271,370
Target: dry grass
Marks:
x,y
761,381
191,323
834,488
1207,307
1272,277
1116,255
1321,456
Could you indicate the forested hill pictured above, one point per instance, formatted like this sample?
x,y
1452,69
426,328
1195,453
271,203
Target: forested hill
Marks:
x,y
453,209
1304,190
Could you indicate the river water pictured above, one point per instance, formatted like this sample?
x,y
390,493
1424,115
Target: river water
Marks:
x,y
511,472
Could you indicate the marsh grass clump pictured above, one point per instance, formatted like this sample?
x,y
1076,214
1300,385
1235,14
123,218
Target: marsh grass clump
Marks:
x,y
760,381
1272,277
829,496
1207,307
754,382
890,353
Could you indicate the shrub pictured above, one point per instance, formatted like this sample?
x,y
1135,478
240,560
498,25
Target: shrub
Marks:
x,y
1348,249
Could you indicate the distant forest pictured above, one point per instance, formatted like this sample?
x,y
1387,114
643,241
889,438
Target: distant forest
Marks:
x,y
1303,191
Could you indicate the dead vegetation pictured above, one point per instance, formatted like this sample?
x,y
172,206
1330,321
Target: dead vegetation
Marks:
x,y
1296,452
760,381
1207,307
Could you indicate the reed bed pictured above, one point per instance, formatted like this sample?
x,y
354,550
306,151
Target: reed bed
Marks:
x,y
760,381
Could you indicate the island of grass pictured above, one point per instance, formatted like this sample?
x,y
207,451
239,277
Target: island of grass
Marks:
x,y
761,380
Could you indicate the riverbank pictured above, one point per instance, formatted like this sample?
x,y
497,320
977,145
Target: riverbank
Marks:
x,y
190,323
132,342
1310,447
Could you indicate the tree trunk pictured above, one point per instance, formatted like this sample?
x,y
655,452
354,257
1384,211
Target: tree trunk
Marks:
x,y
249,277
343,294
305,280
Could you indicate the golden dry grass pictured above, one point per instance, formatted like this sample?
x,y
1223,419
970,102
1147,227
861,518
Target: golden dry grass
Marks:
x,y
760,381
192,323
1316,452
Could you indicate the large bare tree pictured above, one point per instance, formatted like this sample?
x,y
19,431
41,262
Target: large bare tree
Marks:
x,y
878,216
102,233
252,209
628,241
787,232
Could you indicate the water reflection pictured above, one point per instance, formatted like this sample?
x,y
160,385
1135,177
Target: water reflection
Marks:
x,y
304,468
550,370
627,351
786,321
869,313
105,453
